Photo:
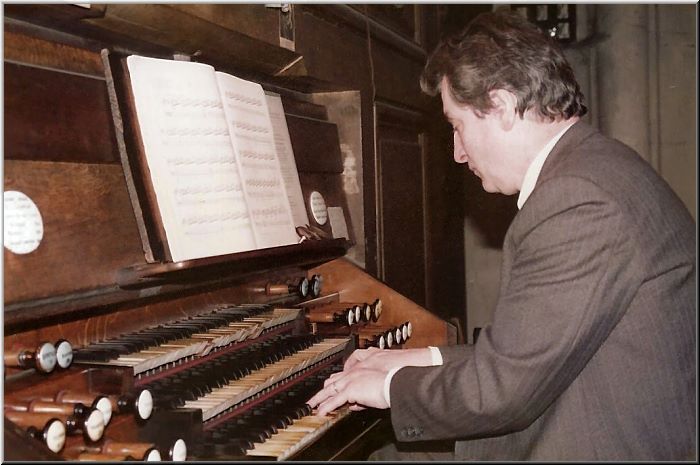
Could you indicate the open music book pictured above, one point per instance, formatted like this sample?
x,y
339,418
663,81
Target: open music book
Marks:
x,y
220,161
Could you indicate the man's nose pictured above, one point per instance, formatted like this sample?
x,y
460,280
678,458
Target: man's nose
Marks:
x,y
459,153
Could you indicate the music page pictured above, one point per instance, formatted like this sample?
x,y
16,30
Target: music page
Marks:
x,y
288,165
251,131
192,163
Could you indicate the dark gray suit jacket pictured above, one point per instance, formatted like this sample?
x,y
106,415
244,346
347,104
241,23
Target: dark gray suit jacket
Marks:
x,y
592,350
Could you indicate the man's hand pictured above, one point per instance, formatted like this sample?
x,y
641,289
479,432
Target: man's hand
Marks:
x,y
360,388
361,383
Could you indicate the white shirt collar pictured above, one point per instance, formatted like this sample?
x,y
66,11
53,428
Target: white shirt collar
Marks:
x,y
533,171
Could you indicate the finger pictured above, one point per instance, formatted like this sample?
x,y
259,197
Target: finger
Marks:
x,y
319,397
358,356
315,400
331,404
336,376
332,378
356,407
352,360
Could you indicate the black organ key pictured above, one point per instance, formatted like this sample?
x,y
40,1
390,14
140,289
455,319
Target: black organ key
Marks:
x,y
145,339
121,347
234,314
166,333
209,322
94,355
241,430
188,328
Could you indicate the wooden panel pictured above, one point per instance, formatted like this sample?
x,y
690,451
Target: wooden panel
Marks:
x,y
343,57
20,48
254,20
225,49
315,144
89,228
56,116
401,200
400,18
401,216
363,18
296,107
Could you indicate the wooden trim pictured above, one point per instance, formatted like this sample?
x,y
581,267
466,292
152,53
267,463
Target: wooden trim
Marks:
x,y
359,22
133,160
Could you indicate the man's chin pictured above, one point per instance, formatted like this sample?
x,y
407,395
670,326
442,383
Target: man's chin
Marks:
x,y
490,188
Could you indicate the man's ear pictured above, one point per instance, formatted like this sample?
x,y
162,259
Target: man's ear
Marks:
x,y
504,107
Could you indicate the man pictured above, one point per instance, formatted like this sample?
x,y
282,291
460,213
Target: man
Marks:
x,y
591,354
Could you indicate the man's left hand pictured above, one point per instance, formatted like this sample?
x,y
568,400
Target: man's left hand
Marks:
x,y
359,387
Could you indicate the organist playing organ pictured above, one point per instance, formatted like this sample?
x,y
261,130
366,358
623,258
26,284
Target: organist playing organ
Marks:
x,y
569,369
224,225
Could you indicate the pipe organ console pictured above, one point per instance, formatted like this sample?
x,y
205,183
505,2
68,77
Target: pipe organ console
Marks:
x,y
110,354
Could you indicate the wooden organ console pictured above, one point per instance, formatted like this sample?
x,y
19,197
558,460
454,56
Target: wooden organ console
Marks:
x,y
205,359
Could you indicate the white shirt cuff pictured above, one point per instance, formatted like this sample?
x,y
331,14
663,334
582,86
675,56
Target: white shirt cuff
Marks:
x,y
387,384
435,355
436,359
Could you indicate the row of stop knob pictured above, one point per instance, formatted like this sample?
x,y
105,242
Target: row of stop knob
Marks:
x,y
44,358
344,313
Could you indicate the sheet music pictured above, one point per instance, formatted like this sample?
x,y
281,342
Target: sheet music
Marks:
x,y
193,166
288,165
251,131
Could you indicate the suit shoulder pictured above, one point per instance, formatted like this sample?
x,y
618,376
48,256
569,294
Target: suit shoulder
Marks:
x,y
605,168
602,158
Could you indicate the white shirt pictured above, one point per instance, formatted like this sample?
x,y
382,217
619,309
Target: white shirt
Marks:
x,y
529,181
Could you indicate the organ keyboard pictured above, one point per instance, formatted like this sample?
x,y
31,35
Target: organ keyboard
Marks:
x,y
274,428
221,398
158,346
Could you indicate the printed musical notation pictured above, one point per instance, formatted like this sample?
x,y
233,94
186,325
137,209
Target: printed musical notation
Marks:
x,y
212,152
285,155
251,131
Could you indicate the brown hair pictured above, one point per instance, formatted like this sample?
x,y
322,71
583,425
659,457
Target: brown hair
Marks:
x,y
502,50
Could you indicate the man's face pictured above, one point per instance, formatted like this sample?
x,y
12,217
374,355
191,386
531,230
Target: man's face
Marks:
x,y
480,142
